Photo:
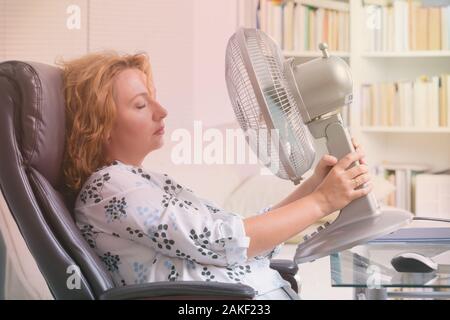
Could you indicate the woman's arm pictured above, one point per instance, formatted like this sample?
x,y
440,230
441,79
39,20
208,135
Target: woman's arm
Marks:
x,y
320,172
337,190
304,189
280,224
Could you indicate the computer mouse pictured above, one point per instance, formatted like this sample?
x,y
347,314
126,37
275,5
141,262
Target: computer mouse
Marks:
x,y
413,262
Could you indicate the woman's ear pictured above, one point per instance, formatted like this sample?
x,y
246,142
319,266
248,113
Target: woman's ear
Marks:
x,y
108,138
106,143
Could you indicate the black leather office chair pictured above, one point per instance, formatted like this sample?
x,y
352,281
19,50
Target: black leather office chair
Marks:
x,y
32,128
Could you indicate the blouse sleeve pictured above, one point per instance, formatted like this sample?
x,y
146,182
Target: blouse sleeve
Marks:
x,y
163,215
269,254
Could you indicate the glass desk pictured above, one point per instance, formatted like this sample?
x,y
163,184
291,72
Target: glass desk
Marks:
x,y
368,269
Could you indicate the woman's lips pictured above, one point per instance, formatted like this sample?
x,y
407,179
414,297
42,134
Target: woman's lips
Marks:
x,y
160,131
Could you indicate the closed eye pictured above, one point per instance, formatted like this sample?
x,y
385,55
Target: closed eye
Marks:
x,y
142,106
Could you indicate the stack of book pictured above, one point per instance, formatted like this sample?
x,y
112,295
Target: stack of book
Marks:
x,y
300,25
404,25
403,177
422,103
433,195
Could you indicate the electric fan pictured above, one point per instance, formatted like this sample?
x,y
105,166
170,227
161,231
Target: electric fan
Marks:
x,y
293,104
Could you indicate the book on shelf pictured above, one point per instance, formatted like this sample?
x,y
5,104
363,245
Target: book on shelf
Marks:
x,y
404,25
403,177
421,103
433,195
298,25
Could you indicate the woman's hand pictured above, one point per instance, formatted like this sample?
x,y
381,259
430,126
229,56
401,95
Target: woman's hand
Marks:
x,y
320,172
340,186
327,162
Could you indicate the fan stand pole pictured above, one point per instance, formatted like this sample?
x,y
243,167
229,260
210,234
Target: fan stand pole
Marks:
x,y
339,144
362,219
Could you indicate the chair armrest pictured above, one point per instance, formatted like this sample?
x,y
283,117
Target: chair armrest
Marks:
x,y
287,269
284,266
181,290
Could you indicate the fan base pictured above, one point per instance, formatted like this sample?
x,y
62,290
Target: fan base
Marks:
x,y
342,235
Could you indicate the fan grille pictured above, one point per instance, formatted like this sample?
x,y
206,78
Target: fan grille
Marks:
x,y
290,153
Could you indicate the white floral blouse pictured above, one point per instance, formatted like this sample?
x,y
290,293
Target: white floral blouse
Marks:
x,y
146,227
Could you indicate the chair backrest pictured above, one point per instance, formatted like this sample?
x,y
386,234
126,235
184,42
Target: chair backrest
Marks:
x,y
32,130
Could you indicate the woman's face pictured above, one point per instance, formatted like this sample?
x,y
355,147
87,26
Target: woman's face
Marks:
x,y
139,126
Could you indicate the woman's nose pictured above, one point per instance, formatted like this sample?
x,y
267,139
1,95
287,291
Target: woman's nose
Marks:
x,y
160,111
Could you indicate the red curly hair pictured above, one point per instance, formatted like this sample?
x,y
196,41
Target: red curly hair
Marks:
x,y
91,110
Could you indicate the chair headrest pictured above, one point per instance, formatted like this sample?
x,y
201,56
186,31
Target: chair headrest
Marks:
x,y
40,122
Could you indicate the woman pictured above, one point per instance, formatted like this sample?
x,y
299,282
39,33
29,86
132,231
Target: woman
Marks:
x,y
147,227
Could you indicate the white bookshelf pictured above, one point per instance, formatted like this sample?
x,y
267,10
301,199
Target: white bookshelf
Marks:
x,y
326,4
314,54
407,54
385,129
429,146
394,144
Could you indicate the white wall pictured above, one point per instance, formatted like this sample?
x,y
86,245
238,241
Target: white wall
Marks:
x,y
36,30
162,28
185,39
214,23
